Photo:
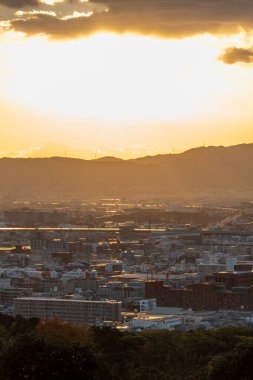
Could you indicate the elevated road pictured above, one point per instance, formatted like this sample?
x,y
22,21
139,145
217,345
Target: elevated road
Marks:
x,y
92,229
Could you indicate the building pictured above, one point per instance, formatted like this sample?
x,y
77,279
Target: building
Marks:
x,y
26,217
147,321
77,311
147,305
201,296
9,294
192,321
241,277
209,269
121,291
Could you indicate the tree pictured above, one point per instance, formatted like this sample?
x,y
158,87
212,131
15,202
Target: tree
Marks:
x,y
35,357
235,364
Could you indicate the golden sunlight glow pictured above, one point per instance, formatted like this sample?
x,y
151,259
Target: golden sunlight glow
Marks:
x,y
51,2
118,78
153,92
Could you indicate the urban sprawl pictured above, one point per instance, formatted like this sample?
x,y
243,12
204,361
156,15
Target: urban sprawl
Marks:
x,y
128,265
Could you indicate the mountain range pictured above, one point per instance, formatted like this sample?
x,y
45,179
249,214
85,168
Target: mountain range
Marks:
x,y
199,169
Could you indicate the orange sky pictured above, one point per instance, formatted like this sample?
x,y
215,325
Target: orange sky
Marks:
x,y
88,85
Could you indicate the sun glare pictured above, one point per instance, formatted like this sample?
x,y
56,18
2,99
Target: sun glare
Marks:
x,y
117,78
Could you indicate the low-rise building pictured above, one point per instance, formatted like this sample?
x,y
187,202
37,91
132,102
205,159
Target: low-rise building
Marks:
x,y
147,321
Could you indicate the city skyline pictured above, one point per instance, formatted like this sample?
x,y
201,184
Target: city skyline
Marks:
x,y
88,79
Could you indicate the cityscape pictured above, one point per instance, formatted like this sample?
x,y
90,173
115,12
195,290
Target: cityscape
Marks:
x,y
128,265
126,190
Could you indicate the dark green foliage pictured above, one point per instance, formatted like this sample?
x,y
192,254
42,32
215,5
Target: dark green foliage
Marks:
x,y
236,364
34,357
53,350
18,324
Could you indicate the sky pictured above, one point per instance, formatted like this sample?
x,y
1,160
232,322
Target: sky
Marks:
x,y
124,78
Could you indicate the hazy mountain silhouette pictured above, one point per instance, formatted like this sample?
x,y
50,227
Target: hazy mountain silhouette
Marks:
x,y
108,158
205,168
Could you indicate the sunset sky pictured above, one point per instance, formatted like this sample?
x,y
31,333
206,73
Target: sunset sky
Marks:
x,y
124,77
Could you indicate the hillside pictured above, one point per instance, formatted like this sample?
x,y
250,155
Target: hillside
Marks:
x,y
201,169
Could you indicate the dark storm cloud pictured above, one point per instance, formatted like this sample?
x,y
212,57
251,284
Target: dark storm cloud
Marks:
x,y
165,18
235,55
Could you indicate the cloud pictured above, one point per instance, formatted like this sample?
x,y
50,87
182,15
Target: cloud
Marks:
x,y
19,3
234,55
165,18
51,149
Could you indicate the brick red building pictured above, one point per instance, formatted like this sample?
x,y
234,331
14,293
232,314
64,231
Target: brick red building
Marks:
x,y
233,279
201,296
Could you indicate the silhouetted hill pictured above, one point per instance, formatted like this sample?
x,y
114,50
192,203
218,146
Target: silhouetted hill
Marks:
x,y
108,158
203,169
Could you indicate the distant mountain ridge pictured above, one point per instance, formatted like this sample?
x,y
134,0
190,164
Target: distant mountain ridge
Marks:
x,y
204,168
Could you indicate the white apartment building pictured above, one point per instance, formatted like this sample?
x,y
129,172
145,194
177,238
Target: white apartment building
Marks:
x,y
76,311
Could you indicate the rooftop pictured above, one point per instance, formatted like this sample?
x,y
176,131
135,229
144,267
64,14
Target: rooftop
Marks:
x,y
48,299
